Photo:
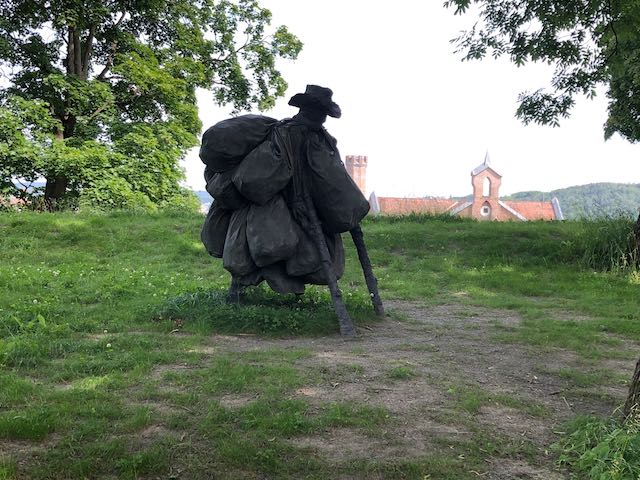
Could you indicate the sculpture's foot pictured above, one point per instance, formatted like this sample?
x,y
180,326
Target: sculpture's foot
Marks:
x,y
235,291
347,330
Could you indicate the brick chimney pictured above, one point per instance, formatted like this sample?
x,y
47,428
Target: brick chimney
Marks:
x,y
357,169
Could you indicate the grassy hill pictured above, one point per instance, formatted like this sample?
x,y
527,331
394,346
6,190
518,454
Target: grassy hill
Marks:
x,y
120,358
595,200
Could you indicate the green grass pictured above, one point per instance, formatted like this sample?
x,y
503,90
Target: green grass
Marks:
x,y
597,449
104,320
401,373
471,398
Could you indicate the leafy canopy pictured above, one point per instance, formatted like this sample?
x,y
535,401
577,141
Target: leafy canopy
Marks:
x,y
589,42
100,96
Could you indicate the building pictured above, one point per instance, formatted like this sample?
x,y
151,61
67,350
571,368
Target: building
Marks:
x,y
485,203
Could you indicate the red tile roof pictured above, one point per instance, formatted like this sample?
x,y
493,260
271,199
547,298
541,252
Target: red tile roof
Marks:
x,y
533,210
403,206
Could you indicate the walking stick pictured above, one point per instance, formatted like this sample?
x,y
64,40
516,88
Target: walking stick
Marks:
x,y
372,282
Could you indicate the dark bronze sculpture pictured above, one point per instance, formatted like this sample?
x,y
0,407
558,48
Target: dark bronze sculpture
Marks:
x,y
282,197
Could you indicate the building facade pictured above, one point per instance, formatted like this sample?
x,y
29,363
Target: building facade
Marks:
x,y
485,203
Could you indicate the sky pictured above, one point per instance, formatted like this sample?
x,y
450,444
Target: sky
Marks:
x,y
423,117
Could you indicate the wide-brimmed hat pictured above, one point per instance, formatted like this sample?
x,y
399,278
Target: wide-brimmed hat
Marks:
x,y
316,98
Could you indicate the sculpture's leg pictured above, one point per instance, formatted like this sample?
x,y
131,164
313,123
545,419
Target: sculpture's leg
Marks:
x,y
346,325
370,278
235,290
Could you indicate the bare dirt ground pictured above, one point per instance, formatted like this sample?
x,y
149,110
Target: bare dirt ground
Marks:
x,y
445,348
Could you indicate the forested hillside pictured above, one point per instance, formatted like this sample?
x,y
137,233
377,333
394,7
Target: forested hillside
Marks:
x,y
592,200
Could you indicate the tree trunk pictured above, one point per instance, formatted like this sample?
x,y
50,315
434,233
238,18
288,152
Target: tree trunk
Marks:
x,y
56,185
633,399
635,255
54,190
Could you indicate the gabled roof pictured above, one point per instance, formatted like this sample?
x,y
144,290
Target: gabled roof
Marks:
x,y
460,207
486,165
512,211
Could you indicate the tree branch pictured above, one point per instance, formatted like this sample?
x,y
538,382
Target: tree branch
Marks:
x,y
86,53
70,52
114,46
117,24
77,52
100,109
109,64
615,34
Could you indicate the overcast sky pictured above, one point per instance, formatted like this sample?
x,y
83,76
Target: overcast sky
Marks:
x,y
424,118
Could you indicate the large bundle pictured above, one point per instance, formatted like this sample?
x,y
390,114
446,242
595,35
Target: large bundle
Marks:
x,y
306,258
236,257
214,230
252,227
336,252
278,280
225,144
340,203
271,232
262,174
225,193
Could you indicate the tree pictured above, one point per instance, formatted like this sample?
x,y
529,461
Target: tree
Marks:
x,y
100,96
590,42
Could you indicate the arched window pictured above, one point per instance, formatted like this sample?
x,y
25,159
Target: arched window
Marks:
x,y
485,210
486,187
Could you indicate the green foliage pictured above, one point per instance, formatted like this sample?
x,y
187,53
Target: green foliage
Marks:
x,y
595,200
589,43
607,245
597,449
101,98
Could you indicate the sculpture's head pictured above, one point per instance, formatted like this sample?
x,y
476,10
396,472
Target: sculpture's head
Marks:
x,y
316,99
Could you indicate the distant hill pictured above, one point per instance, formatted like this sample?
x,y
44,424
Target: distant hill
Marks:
x,y
591,201
203,196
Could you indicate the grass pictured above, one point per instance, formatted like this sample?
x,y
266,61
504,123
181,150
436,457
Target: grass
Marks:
x,y
471,399
106,368
598,449
401,373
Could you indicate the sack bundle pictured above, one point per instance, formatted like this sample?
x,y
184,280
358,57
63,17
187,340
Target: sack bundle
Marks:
x,y
250,225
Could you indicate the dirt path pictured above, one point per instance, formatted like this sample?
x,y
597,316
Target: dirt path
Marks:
x,y
421,367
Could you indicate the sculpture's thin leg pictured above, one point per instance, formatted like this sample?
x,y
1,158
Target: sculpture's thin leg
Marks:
x,y
346,325
370,278
235,291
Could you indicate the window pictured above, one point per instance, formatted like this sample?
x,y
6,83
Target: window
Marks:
x,y
485,210
486,187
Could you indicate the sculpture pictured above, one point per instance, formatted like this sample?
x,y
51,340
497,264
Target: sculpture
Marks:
x,y
282,197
